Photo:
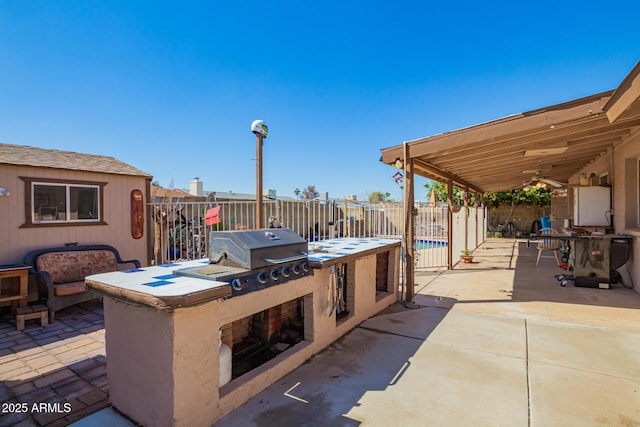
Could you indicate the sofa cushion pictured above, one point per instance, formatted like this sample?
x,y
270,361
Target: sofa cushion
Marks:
x,y
74,266
70,288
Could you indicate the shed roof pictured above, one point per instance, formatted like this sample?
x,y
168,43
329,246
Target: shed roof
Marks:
x,y
58,159
554,142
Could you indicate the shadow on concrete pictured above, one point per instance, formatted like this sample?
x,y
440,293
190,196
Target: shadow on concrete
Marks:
x,y
322,391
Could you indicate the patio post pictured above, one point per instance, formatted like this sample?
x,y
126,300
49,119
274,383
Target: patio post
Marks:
x,y
450,222
484,220
259,128
409,224
476,205
258,181
466,217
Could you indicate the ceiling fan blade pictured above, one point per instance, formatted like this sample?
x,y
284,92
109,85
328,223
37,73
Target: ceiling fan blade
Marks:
x,y
552,182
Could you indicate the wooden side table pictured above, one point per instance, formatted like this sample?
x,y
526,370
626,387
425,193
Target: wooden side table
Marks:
x,y
19,276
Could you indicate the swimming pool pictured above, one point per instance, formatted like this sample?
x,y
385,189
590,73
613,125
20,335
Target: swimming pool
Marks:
x,y
429,244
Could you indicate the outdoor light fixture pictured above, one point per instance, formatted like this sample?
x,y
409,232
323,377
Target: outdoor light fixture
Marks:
x,y
4,192
260,129
398,164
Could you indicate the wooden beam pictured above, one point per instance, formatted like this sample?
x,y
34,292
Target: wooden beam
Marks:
x,y
552,118
516,167
450,227
593,126
433,171
508,171
409,225
466,221
626,98
420,165
486,155
259,220
588,127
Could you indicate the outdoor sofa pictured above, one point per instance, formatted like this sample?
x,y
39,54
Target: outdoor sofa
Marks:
x,y
60,272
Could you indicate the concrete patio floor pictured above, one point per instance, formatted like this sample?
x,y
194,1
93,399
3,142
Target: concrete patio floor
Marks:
x,y
496,342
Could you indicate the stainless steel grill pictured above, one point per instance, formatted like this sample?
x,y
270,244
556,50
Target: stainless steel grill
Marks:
x,y
251,260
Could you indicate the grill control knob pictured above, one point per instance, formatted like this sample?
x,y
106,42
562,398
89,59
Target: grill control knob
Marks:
x,y
305,267
262,277
296,269
238,284
286,271
275,274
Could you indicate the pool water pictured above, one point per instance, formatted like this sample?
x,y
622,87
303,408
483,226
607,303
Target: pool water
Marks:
x,y
429,244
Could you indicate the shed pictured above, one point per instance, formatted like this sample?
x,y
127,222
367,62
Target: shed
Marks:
x,y
58,198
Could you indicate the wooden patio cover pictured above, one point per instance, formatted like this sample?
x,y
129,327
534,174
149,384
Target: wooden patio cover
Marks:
x,y
555,142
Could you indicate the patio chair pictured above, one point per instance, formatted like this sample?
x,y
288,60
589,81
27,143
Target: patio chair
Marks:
x,y
548,244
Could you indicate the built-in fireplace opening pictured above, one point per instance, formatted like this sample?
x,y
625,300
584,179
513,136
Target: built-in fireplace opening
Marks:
x,y
260,337
383,279
345,290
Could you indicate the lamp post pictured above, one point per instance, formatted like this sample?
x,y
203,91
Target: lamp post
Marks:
x,y
260,129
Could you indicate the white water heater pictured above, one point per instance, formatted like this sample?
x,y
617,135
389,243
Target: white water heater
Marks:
x,y
592,206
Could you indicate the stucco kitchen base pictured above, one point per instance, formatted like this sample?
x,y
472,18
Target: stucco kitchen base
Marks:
x,y
160,363
163,361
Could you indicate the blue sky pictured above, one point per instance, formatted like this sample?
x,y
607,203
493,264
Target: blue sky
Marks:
x,y
172,87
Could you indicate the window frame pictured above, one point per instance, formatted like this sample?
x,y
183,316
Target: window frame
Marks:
x,y
29,183
604,175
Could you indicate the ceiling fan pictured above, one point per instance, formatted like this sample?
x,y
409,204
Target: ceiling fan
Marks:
x,y
540,182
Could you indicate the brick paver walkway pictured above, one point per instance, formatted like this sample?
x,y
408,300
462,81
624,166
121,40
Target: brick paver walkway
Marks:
x,y
53,375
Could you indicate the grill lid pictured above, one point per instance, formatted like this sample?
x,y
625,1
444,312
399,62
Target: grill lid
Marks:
x,y
252,249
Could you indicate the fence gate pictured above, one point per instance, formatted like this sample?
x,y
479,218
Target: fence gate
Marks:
x,y
431,231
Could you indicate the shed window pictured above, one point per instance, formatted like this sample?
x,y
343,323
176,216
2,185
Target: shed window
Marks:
x,y
52,202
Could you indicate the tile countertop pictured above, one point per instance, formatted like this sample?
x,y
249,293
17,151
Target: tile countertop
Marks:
x,y
326,252
158,286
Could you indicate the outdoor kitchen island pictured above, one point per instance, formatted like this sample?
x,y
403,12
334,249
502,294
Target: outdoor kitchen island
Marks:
x,y
179,346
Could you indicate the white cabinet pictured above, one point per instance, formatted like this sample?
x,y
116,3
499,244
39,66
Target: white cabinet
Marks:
x,y
592,206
